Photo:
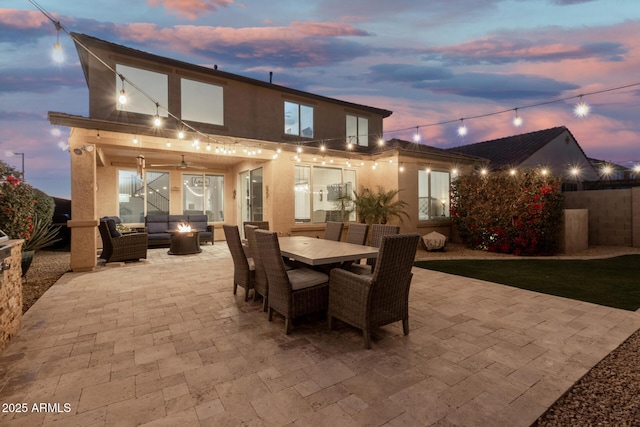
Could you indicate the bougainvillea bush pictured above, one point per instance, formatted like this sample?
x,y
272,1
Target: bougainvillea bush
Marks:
x,y
17,204
519,214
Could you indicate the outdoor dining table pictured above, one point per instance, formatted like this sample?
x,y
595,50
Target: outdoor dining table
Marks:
x,y
313,251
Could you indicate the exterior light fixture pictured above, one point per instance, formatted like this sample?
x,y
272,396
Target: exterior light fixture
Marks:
x,y
57,54
381,141
517,120
581,109
462,129
454,172
484,171
544,172
11,154
122,98
575,171
85,148
512,172
157,121
181,135
416,136
299,149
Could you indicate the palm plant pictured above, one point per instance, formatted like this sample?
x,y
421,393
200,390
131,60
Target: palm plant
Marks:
x,y
379,207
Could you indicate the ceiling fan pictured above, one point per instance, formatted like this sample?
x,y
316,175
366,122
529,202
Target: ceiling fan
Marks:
x,y
182,165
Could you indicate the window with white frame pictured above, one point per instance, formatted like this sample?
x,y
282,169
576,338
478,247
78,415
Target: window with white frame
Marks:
x,y
137,197
202,102
433,194
298,119
203,194
155,85
357,130
320,194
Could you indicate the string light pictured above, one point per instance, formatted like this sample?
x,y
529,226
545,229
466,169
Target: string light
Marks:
x,y
57,54
157,122
462,129
582,109
416,136
517,120
122,98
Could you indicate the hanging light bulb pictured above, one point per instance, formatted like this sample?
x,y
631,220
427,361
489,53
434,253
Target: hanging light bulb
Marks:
x,y
416,136
582,109
157,121
462,129
517,120
181,135
122,99
299,149
208,146
57,54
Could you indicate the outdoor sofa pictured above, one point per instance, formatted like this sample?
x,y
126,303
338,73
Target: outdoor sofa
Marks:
x,y
159,227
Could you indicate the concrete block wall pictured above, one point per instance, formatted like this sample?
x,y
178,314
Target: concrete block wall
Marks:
x,y
612,215
11,295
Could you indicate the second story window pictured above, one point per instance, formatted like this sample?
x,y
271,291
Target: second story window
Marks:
x,y
298,119
357,130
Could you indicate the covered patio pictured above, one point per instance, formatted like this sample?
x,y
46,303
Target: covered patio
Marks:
x,y
165,342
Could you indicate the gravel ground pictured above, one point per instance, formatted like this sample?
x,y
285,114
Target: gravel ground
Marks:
x,y
608,395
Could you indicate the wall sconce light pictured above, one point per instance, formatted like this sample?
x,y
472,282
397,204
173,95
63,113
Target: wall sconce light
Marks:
x,y
80,150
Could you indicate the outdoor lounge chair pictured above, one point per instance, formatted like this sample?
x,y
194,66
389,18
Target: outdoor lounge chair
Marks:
x,y
120,247
369,301
292,293
243,267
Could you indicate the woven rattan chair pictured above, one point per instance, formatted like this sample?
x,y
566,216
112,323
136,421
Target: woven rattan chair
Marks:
x,y
377,232
369,301
243,267
333,230
261,285
292,293
121,247
357,233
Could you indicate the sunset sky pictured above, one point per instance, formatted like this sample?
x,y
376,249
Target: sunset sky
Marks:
x,y
427,61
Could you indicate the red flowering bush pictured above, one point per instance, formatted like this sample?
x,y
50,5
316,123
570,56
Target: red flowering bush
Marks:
x,y
17,204
500,212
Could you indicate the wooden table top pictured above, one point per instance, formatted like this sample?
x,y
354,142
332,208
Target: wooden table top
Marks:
x,y
313,251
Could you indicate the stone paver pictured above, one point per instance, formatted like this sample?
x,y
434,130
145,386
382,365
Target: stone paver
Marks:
x,y
165,342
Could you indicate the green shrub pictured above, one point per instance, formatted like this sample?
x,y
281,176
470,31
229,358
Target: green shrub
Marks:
x,y
44,207
17,207
500,212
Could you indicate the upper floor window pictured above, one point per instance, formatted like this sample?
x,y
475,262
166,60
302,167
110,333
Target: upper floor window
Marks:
x,y
202,102
155,85
298,119
433,194
357,130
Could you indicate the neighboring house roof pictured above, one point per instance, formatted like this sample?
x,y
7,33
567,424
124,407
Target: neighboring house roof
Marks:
x,y
89,41
413,147
512,150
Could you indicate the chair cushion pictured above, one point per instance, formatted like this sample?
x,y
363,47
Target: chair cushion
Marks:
x,y
252,264
361,269
302,278
113,231
199,222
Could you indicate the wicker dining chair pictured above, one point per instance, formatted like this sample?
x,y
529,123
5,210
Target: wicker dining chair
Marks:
x,y
292,293
377,232
333,231
357,233
261,285
367,302
243,267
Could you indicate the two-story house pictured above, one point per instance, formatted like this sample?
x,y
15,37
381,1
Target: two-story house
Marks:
x,y
165,136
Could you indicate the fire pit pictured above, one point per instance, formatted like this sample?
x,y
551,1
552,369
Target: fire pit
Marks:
x,y
184,241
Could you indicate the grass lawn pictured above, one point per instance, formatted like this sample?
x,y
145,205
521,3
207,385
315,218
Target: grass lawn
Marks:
x,y
614,282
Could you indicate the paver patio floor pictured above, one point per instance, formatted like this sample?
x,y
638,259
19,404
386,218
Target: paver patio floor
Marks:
x,y
165,342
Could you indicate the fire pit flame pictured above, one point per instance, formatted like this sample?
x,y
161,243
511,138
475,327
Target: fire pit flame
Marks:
x,y
184,228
